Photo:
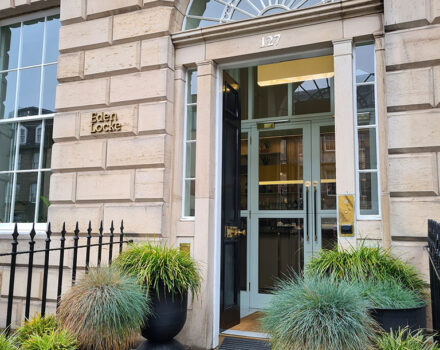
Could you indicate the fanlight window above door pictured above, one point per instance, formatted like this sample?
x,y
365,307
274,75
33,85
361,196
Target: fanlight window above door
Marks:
x,y
204,13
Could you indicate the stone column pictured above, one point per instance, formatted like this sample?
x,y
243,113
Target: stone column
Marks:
x,y
344,123
382,128
200,328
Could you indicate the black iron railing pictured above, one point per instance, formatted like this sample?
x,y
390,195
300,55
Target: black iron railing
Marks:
x,y
119,241
434,273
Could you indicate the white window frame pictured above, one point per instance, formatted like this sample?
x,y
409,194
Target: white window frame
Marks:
x,y
357,127
185,143
6,227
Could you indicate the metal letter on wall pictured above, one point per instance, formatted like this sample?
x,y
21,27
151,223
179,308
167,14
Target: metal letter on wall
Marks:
x,y
346,216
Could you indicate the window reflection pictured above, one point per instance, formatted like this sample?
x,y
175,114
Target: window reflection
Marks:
x,y
312,96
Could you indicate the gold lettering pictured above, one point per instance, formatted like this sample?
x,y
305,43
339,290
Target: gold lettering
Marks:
x,y
94,120
106,117
99,128
118,127
101,117
114,117
104,122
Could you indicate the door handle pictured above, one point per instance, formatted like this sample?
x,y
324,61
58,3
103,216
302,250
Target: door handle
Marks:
x,y
307,185
234,232
315,223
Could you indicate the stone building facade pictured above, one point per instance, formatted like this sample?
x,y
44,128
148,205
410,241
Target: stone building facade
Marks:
x,y
128,62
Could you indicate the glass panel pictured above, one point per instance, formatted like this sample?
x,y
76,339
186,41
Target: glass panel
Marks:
x,y
29,148
244,171
190,160
364,63
8,90
190,192
269,101
367,149
369,204
44,196
5,196
280,250
230,259
7,147
48,142
32,42
312,96
366,118
191,123
52,38
328,167
243,256
192,87
10,43
29,92
50,85
25,197
365,97
329,233
281,170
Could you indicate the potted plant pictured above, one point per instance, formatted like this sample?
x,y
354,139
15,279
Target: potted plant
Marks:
x,y
104,310
318,313
393,306
168,275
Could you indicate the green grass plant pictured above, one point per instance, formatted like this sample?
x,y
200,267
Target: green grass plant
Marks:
x,y
104,310
390,295
57,340
405,340
318,313
7,343
365,263
155,265
36,325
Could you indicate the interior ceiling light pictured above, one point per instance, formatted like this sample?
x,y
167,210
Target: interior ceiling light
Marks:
x,y
296,71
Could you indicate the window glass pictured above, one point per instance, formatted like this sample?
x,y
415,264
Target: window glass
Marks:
x,y
311,96
367,165
27,92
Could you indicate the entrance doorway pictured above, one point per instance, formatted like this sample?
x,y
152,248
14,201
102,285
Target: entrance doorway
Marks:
x,y
282,151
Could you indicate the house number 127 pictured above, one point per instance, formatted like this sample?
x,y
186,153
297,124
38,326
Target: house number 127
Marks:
x,y
270,40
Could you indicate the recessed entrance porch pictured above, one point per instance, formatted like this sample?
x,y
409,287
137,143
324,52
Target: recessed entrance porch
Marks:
x,y
279,156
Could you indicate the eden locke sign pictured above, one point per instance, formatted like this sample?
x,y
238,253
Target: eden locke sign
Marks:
x,y
105,122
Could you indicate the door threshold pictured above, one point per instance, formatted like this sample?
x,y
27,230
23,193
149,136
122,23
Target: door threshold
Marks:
x,y
245,334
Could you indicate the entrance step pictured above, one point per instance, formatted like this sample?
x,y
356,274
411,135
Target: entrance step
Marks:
x,y
235,343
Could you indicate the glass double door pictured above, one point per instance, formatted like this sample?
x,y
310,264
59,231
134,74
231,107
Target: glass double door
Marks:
x,y
288,201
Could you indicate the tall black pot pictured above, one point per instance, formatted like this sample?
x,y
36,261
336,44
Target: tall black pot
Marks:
x,y
389,319
168,316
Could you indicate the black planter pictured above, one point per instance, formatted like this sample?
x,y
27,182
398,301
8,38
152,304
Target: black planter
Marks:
x,y
168,318
392,319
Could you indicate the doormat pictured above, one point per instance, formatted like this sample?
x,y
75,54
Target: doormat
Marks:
x,y
244,344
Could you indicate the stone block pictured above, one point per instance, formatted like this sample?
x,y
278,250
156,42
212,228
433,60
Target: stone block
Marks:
x,y
70,214
435,11
398,12
140,151
84,155
62,187
90,34
143,86
113,59
105,186
70,66
6,4
414,45
369,230
72,11
413,173
126,116
65,127
412,87
22,2
409,216
155,117
413,253
142,24
437,85
414,129
157,52
138,218
98,8
82,94
189,54
149,184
